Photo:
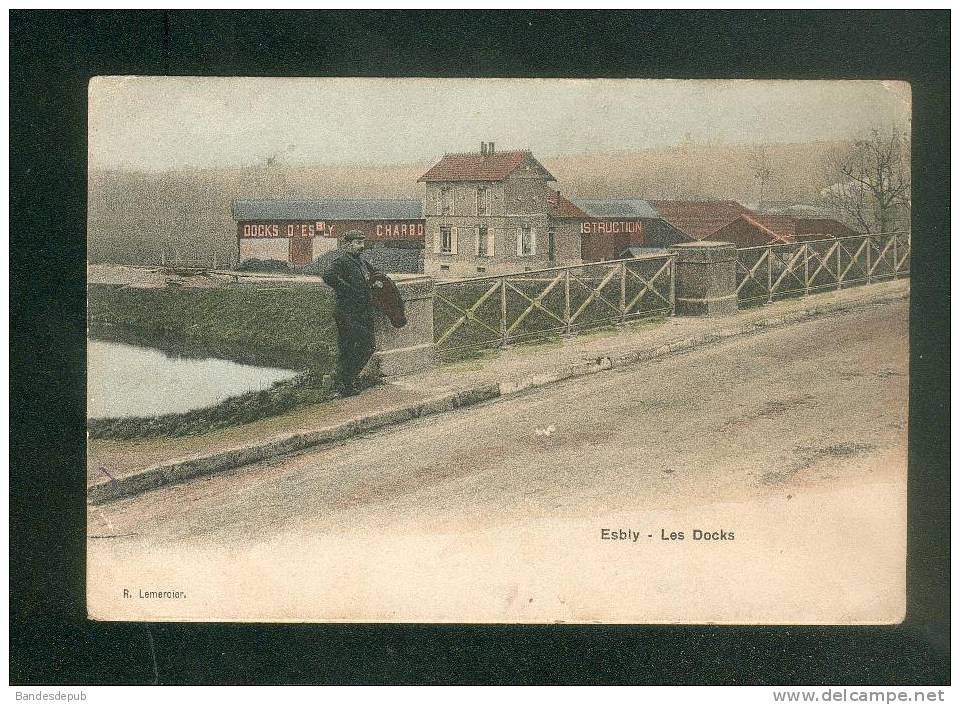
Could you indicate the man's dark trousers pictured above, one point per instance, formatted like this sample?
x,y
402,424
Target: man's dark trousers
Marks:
x,y
355,332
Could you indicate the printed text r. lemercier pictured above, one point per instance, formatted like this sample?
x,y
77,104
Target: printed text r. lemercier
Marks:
x,y
156,594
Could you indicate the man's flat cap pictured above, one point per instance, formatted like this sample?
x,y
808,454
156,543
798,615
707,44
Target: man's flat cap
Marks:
x,y
354,235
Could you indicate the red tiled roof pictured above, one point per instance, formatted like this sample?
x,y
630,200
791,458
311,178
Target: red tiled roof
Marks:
x,y
790,229
824,226
561,207
473,166
779,227
699,219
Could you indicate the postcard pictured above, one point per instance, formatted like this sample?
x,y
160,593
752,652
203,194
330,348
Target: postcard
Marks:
x,y
498,350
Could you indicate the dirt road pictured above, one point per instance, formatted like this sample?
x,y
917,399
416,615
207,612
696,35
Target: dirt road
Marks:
x,y
787,448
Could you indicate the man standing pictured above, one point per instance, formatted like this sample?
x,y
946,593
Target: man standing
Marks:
x,y
346,274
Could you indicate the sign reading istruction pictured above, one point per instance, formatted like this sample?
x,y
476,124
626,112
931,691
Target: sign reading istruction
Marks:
x,y
607,227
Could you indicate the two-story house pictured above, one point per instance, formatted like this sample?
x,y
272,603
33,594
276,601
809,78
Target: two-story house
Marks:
x,y
492,212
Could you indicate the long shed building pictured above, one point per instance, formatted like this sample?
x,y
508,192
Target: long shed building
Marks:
x,y
298,232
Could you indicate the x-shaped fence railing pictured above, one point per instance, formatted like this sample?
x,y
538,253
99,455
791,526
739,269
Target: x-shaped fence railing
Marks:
x,y
497,310
492,311
770,272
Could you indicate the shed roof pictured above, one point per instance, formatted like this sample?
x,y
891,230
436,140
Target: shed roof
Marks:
x,y
474,166
781,227
699,219
788,229
617,208
775,228
824,226
328,209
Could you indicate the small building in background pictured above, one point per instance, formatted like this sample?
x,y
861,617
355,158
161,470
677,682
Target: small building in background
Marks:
x,y
299,232
822,228
491,212
693,220
754,230
614,225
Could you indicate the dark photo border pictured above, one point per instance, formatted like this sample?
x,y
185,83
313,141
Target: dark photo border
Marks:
x,y
52,56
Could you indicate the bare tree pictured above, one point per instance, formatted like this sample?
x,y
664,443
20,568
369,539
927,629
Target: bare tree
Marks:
x,y
760,165
869,181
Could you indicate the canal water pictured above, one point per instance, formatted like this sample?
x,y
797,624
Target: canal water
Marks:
x,y
126,380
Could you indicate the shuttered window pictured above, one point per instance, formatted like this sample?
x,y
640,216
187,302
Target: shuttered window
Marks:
x,y
483,204
444,201
482,242
526,241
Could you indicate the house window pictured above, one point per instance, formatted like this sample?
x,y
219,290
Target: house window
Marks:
x,y
483,204
526,240
482,250
446,240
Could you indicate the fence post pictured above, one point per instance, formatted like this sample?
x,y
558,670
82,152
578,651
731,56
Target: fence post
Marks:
x,y
503,311
839,282
566,298
770,274
706,278
896,267
623,291
869,254
673,285
806,269
401,351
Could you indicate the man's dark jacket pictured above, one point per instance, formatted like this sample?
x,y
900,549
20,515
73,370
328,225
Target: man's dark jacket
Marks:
x,y
345,275
353,313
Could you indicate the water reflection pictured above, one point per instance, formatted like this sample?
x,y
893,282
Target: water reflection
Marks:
x,y
130,380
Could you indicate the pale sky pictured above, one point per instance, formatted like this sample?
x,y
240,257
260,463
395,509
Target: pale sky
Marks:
x,y
156,123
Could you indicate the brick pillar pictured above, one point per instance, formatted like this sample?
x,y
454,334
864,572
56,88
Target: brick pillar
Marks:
x,y
409,349
706,278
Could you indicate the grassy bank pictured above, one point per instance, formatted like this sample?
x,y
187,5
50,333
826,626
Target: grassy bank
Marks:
x,y
287,318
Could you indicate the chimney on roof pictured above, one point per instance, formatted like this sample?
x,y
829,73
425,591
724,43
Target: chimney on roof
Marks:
x,y
489,147
483,148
